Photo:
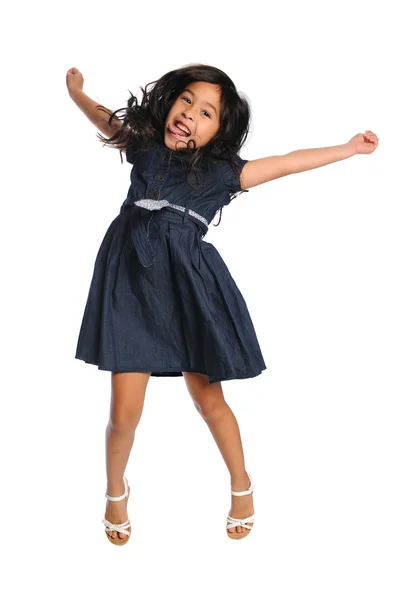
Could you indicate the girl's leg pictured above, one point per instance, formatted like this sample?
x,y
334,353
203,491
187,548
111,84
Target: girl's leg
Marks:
x,y
127,398
209,400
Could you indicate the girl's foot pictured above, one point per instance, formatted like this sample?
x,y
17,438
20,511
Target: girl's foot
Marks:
x,y
241,506
116,511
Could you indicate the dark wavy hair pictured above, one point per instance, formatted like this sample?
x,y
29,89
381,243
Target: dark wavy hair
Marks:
x,y
141,122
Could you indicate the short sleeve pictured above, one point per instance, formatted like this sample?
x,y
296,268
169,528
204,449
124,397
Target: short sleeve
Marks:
x,y
230,178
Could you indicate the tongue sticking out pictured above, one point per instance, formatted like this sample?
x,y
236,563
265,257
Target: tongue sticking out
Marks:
x,y
175,129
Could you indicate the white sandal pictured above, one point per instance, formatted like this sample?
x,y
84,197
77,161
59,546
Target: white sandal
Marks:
x,y
119,527
233,522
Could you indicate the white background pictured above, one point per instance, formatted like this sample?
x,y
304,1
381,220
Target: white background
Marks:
x,y
315,255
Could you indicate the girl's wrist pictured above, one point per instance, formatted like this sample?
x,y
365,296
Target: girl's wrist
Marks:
x,y
349,149
74,94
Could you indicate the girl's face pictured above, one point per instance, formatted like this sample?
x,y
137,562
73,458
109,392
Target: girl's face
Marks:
x,y
196,108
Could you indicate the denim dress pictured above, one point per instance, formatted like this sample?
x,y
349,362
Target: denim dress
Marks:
x,y
161,298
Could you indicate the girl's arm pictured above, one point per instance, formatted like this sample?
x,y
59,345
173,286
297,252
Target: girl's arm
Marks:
x,y
261,170
89,107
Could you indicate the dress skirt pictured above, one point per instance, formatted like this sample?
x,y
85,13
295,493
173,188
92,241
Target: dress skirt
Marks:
x,y
184,312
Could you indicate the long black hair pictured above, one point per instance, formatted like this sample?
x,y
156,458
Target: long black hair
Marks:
x,y
141,122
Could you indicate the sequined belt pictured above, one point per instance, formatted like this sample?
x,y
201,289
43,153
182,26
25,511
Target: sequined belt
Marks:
x,y
140,232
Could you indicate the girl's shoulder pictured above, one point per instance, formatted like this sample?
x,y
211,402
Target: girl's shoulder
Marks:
x,y
227,171
230,175
133,153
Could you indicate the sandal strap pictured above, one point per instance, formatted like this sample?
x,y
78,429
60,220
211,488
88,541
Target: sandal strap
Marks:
x,y
233,522
124,495
120,527
245,492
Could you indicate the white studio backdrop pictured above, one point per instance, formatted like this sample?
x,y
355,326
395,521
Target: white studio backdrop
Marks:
x,y
315,255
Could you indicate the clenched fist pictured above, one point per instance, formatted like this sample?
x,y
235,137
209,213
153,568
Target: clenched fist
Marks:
x,y
364,143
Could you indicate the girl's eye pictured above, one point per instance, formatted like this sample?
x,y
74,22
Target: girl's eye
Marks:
x,y
209,116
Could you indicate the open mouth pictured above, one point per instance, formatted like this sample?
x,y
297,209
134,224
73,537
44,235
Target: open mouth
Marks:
x,y
178,129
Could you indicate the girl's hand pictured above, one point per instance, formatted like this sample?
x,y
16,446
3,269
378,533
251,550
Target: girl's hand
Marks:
x,y
74,80
364,143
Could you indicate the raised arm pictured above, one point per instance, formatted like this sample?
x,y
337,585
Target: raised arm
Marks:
x,y
262,170
89,107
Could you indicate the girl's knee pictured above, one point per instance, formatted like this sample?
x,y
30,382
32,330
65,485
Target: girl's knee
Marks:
x,y
207,397
122,422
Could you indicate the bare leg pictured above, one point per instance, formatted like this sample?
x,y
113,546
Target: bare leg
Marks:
x,y
209,400
127,399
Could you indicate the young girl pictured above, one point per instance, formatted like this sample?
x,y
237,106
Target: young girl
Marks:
x,y
162,301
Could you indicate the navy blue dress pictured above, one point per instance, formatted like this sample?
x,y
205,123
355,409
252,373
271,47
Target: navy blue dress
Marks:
x,y
161,299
